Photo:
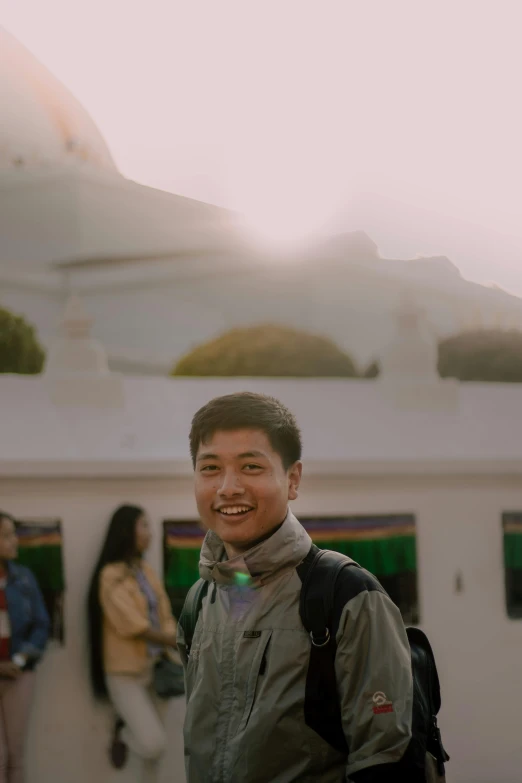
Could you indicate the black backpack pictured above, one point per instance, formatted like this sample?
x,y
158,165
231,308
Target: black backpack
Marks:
x,y
321,573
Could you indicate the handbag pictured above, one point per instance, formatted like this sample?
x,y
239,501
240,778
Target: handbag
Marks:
x,y
168,678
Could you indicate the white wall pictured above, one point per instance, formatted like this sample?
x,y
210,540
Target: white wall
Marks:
x,y
459,529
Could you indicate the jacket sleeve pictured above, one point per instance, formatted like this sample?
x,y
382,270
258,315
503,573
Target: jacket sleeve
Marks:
x,y
119,607
373,672
182,648
35,645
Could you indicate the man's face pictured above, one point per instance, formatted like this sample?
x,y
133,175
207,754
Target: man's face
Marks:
x,y
242,489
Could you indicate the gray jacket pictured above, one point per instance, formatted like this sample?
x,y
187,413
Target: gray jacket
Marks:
x,y
246,673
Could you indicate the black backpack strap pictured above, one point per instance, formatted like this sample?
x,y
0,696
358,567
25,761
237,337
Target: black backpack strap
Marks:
x,y
319,572
427,699
191,609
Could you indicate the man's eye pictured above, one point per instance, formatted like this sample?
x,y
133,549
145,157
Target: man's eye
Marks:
x,y
208,468
252,467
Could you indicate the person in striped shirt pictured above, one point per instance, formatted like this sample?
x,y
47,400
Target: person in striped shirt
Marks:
x,y
24,630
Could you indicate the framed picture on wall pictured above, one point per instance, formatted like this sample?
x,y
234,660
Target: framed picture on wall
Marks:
x,y
181,545
512,541
383,544
40,549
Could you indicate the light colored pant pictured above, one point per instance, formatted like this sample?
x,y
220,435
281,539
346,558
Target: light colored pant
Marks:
x,y
144,714
16,697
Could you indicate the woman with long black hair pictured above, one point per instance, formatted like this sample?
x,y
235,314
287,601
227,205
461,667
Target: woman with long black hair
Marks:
x,y
131,628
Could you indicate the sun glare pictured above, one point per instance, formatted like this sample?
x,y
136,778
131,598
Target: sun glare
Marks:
x,y
284,180
282,225
283,207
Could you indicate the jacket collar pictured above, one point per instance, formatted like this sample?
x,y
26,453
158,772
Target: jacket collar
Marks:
x,y
284,550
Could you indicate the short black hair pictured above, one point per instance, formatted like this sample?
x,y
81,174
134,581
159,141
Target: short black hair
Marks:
x,y
247,410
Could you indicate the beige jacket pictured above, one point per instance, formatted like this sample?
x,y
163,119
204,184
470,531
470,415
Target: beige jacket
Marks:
x,y
125,618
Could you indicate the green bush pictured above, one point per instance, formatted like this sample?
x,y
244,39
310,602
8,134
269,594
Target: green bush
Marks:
x,y
267,350
20,351
482,355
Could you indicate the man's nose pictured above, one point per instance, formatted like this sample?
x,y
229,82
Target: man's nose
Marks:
x,y
231,485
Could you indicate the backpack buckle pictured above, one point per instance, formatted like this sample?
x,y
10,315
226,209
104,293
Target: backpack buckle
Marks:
x,y
322,641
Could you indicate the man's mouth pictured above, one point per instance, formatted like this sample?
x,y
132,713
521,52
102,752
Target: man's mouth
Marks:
x,y
236,512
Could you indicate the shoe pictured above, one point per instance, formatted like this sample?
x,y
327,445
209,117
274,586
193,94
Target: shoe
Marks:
x,y
118,749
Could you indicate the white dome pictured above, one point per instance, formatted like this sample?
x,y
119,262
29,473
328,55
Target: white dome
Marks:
x,y
42,123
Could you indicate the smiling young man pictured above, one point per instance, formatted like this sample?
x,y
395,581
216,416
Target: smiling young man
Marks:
x,y
248,662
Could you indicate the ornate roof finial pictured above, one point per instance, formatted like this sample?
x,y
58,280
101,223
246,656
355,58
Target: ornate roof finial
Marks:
x,y
409,363
76,322
413,350
77,364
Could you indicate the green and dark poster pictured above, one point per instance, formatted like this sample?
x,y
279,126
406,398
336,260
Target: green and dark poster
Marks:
x,y
512,529
40,549
384,545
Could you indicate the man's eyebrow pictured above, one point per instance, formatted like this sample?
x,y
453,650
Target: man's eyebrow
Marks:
x,y
245,455
207,455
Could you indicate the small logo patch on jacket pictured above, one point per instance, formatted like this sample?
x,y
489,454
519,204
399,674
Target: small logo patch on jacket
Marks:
x,y
251,634
381,703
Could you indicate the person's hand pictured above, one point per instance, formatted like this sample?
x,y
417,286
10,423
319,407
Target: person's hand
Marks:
x,y
160,638
170,640
9,670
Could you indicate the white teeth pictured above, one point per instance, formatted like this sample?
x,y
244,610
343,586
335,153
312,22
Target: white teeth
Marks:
x,y
234,510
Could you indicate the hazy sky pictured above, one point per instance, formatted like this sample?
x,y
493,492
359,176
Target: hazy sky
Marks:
x,y
284,108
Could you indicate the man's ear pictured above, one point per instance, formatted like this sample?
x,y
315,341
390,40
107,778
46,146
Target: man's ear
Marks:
x,y
294,479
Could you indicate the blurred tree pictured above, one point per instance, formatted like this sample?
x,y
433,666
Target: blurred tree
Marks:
x,y
267,350
20,350
482,355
